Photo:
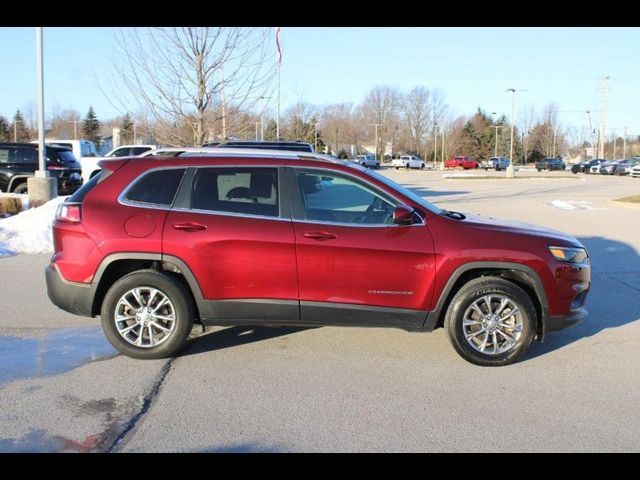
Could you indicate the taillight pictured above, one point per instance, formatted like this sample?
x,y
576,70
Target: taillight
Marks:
x,y
69,212
56,167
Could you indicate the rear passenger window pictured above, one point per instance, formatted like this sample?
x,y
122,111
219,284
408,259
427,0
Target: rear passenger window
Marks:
x,y
252,191
157,188
29,155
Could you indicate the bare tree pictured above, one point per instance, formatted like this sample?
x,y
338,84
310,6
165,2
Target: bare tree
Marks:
x,y
416,109
382,106
298,121
526,121
187,78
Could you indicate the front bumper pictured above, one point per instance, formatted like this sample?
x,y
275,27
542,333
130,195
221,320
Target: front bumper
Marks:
x,y
560,322
76,298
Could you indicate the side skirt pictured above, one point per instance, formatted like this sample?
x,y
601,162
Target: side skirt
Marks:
x,y
305,313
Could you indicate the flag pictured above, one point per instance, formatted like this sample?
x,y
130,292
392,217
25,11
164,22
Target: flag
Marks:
x,y
278,45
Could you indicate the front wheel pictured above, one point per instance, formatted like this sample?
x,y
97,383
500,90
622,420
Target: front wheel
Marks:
x,y
21,188
377,166
148,315
491,321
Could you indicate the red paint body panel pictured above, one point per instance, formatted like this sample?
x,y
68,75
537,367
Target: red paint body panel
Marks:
x,y
236,257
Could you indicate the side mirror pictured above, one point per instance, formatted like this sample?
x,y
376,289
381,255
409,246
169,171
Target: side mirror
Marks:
x,y
403,215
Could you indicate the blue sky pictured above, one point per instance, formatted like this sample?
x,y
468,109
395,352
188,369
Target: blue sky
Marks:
x,y
472,66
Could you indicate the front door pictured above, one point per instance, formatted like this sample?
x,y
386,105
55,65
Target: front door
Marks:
x,y
354,265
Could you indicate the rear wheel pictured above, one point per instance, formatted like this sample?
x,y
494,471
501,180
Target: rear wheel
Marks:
x,y
21,188
147,314
377,166
491,321
407,166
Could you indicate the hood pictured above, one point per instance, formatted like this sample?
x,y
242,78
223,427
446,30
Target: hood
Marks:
x,y
521,228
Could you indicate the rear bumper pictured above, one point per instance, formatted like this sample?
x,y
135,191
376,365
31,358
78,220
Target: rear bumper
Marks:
x,y
76,298
560,322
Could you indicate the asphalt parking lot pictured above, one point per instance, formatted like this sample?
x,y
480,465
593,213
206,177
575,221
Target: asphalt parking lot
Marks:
x,y
64,388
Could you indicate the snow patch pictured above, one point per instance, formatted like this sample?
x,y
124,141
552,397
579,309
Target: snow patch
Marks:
x,y
30,230
563,205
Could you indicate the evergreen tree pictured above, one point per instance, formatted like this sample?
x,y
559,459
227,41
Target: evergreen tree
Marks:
x,y
270,131
20,129
126,130
5,133
91,127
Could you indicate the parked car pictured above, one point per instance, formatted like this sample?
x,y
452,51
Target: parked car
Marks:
x,y
625,166
550,164
635,170
608,168
408,161
280,145
84,151
585,165
90,166
461,161
368,160
497,163
19,161
153,245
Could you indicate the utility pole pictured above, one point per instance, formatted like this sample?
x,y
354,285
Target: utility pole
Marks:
x,y
554,141
224,108
593,143
624,144
376,125
495,153
135,135
510,169
435,144
257,123
315,145
336,141
442,147
603,115
614,144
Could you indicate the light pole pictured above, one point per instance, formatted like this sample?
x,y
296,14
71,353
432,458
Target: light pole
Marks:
x,y
513,104
257,123
75,129
15,130
135,135
624,144
376,125
262,118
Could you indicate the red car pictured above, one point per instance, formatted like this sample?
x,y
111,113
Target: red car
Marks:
x,y
460,161
153,245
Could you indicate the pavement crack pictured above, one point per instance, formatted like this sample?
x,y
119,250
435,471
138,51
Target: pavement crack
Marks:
x,y
146,404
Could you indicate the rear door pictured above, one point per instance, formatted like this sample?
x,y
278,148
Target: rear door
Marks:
x,y
234,231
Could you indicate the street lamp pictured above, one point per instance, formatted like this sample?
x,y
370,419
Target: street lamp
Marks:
x,y
513,104
315,145
75,128
376,125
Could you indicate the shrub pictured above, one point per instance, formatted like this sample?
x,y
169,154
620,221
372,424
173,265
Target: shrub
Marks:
x,y
10,205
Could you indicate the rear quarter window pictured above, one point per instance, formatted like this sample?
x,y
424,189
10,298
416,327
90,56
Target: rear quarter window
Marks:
x,y
156,188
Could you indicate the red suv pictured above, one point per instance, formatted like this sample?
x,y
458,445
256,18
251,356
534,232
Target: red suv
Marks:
x,y
460,161
153,245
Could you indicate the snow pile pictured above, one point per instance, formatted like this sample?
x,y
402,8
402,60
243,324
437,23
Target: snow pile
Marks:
x,y
29,231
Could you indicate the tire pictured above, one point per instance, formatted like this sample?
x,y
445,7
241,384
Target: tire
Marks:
x,y
397,168
422,166
539,169
377,166
179,301
407,166
20,188
462,305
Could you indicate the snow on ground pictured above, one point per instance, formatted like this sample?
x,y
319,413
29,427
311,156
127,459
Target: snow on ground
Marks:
x,y
29,231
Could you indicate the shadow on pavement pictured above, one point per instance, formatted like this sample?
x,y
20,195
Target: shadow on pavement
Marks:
x,y
235,336
612,300
425,192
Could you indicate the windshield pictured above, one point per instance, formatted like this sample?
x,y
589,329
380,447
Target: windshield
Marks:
x,y
406,192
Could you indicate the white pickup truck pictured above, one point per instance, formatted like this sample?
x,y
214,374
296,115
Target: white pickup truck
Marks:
x,y
408,161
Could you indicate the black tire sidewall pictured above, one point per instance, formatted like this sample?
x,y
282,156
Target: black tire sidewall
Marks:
x,y
19,186
476,289
178,295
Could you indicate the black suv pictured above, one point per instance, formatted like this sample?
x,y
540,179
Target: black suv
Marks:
x,y
550,164
19,161
288,146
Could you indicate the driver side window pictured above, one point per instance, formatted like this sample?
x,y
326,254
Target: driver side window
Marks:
x,y
329,197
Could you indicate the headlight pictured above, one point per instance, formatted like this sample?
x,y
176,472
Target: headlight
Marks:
x,y
569,254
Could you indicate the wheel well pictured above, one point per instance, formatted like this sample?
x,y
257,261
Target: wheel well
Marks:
x,y
119,268
520,278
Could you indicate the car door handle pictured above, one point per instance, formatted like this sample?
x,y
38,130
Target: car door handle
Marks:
x,y
189,226
320,235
